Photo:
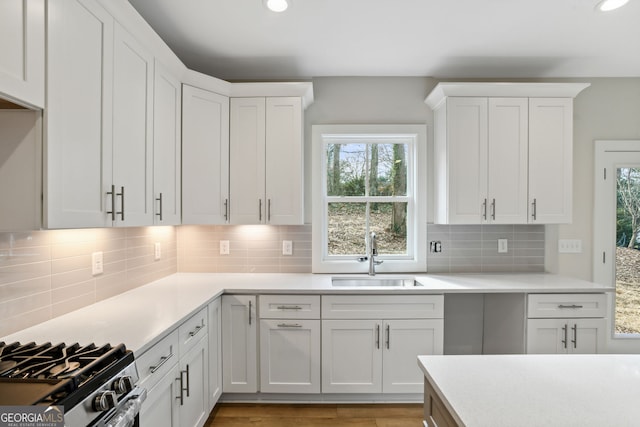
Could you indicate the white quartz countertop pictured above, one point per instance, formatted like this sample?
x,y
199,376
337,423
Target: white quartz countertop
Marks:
x,y
142,316
537,390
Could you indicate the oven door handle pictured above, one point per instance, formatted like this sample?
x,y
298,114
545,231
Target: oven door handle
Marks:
x,y
128,413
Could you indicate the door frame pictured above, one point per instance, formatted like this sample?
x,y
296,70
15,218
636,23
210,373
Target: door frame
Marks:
x,y
606,158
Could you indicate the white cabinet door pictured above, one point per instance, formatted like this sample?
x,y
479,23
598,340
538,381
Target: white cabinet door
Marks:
x,y
467,159
132,131
247,161
550,160
565,336
194,396
404,340
239,335
289,356
507,161
22,51
167,113
205,157
215,352
161,409
284,161
77,118
351,356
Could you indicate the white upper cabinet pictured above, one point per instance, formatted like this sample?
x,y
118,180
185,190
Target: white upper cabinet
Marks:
x,y
266,178
503,152
78,124
205,157
132,156
167,113
22,70
550,160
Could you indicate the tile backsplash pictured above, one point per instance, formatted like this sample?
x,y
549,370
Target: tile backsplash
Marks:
x,y
253,249
44,274
474,248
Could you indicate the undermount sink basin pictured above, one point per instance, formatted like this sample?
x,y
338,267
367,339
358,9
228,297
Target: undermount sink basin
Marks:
x,y
372,281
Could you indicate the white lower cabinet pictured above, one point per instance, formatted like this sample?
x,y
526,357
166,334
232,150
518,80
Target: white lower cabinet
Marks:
x,y
215,352
240,344
377,355
566,323
160,409
193,392
289,343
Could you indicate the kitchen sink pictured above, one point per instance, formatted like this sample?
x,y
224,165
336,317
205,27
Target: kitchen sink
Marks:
x,y
373,282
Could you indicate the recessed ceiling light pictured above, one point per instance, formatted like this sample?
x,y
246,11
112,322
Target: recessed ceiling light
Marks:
x,y
608,5
277,5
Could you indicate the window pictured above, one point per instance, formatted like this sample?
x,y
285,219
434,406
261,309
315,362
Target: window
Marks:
x,y
366,179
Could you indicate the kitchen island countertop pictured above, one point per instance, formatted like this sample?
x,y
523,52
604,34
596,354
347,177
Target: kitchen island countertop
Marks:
x,y
537,390
142,316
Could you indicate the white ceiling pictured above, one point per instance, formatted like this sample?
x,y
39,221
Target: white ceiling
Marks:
x,y
242,40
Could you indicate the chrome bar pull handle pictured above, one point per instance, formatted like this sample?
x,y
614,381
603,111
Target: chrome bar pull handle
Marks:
x,y
249,312
534,206
181,397
162,361
388,337
484,209
259,210
289,325
575,335
268,210
377,336
196,330
564,331
188,381
493,209
112,193
226,209
561,306
289,307
121,194
159,200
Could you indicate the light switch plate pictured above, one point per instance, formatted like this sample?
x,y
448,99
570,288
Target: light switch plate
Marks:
x,y
224,247
157,248
97,264
570,246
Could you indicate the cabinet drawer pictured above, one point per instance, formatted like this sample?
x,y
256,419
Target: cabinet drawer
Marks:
x,y
154,363
289,306
192,330
382,306
567,305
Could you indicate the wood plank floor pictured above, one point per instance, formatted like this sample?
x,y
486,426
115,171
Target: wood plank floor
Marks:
x,y
321,415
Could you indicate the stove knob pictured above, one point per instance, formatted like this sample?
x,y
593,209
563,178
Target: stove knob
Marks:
x,y
104,401
123,385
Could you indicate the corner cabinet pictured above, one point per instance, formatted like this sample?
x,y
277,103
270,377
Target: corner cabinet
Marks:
x,y
503,152
266,161
205,156
22,51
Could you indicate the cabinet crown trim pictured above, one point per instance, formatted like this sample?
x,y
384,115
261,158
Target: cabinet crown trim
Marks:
x,y
540,90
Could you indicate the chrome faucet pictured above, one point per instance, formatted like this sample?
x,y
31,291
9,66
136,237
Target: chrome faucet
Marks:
x,y
373,253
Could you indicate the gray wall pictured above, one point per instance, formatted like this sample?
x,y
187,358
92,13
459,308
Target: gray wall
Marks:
x,y
609,109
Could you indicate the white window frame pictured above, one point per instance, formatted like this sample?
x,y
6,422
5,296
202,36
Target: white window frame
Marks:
x,y
416,258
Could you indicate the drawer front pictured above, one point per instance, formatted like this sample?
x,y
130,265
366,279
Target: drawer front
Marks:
x,y
566,305
382,306
154,363
192,330
289,306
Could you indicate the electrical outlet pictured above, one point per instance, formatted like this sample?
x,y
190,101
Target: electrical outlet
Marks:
x,y
287,247
157,251
97,265
503,247
224,247
570,246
